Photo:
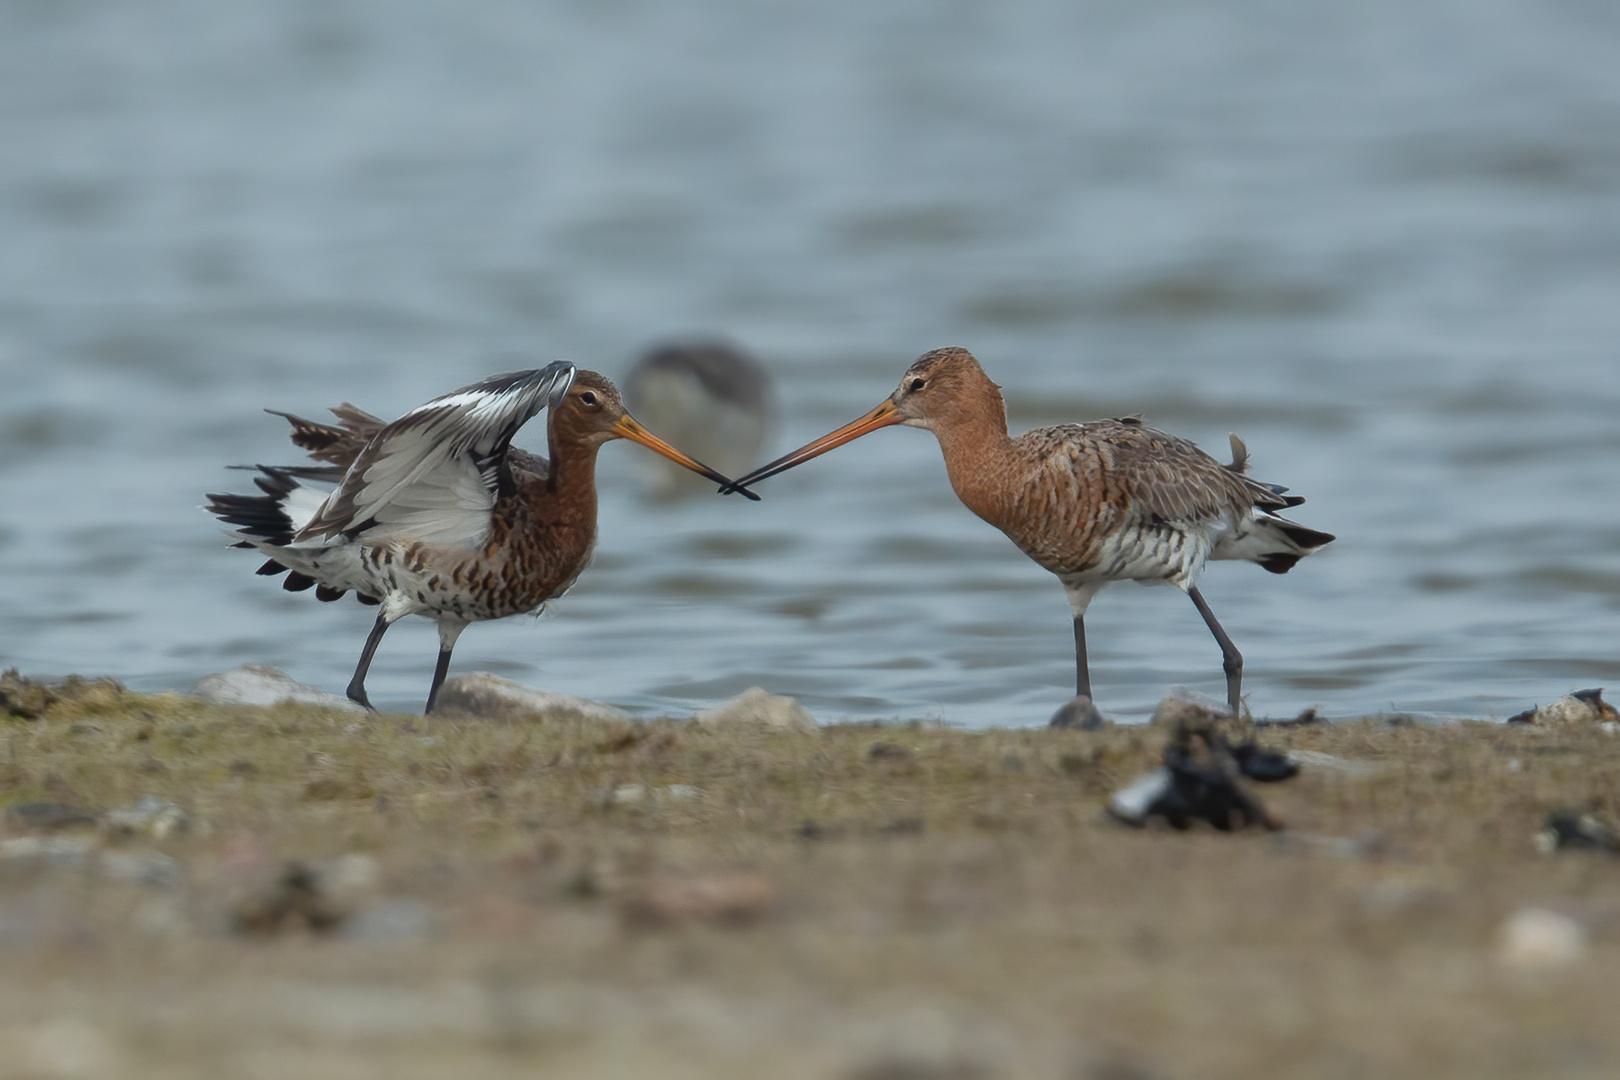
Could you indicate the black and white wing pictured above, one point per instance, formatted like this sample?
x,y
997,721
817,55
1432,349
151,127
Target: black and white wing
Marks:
x,y
435,474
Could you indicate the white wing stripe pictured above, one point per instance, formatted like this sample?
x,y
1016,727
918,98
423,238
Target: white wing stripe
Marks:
x,y
416,477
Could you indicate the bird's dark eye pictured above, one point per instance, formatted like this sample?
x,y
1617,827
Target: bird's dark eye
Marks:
x,y
916,384
588,398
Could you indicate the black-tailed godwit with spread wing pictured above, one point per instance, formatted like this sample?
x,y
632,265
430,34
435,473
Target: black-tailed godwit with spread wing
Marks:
x,y
1112,500
437,514
710,397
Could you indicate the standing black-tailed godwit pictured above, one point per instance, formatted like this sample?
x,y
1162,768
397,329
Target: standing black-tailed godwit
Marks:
x,y
1112,500
710,397
437,514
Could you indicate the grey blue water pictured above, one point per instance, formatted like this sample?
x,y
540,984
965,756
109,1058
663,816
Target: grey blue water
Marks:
x,y
1380,241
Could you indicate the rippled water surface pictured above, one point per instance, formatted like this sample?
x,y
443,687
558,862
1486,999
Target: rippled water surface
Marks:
x,y
1380,242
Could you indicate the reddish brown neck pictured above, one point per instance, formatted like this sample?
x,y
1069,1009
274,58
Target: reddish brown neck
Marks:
x,y
978,451
572,483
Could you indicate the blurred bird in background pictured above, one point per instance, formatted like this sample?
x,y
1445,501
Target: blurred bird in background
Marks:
x,y
707,396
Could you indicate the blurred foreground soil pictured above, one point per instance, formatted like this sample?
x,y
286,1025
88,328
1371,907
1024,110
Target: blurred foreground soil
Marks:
x,y
200,891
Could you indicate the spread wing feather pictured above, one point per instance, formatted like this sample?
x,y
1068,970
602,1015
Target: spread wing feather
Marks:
x,y
435,473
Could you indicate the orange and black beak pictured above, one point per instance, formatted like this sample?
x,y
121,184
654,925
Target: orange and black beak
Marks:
x,y
883,416
626,427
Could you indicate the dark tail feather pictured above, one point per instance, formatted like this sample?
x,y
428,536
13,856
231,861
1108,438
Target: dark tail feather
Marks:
x,y
321,474
264,517
1272,497
1305,538
259,515
1308,540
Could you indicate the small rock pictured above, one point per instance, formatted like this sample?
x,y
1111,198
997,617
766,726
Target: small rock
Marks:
x,y
1537,939
666,900
152,817
253,684
629,794
47,816
1579,707
348,881
634,794
760,708
1079,713
481,694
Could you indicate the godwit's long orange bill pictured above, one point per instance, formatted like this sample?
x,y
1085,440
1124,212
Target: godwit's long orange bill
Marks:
x,y
883,416
627,427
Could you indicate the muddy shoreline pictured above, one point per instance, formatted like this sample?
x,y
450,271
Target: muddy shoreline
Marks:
x,y
190,889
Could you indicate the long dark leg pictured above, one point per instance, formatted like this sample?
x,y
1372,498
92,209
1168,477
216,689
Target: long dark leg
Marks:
x,y
439,671
357,685
1082,670
1231,659
448,632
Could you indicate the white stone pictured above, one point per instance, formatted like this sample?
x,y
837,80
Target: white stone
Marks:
x,y
629,794
348,880
253,684
760,708
481,694
152,817
1536,939
633,794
